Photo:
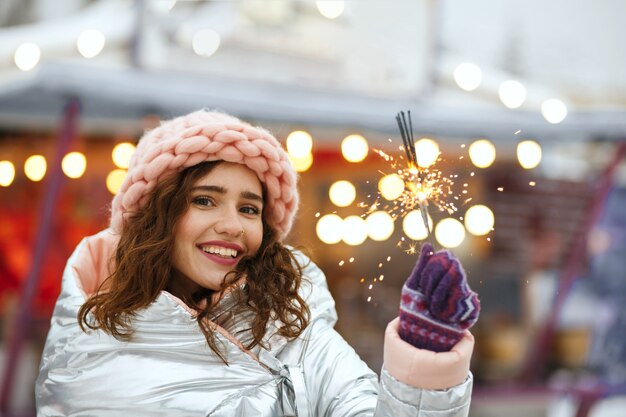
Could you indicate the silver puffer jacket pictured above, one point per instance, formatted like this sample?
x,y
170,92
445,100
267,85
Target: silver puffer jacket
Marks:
x,y
167,368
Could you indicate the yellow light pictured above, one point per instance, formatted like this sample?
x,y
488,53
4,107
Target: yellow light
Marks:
x,y
413,225
450,233
35,167
302,164
479,220
115,180
391,186
354,230
468,76
528,154
329,229
554,110
74,164
379,226
299,144
90,43
512,94
342,193
205,42
330,9
354,148
482,153
7,173
27,56
427,152
122,152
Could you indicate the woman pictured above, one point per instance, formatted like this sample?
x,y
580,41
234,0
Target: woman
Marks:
x,y
189,304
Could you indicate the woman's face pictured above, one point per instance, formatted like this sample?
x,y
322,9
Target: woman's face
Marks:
x,y
222,224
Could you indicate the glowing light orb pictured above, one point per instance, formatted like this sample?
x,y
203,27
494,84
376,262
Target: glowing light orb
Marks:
x,y
379,226
7,173
330,9
27,56
528,154
354,148
391,186
90,43
205,42
554,110
413,225
482,153
468,76
121,154
329,229
512,94
450,233
115,179
354,230
427,152
479,220
35,167
299,143
74,164
342,193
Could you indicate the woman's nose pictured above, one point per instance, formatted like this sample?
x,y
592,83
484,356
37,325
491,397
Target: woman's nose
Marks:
x,y
229,223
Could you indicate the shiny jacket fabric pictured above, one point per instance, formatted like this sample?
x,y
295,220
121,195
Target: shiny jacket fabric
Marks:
x,y
168,369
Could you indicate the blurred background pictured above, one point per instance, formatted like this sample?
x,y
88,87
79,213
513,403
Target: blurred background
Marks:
x,y
517,107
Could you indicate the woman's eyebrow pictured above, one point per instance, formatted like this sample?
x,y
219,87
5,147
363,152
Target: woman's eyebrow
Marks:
x,y
248,195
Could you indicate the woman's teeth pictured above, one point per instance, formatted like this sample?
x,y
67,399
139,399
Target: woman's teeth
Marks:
x,y
223,252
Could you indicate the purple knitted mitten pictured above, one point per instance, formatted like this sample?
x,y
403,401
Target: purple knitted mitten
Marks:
x,y
437,305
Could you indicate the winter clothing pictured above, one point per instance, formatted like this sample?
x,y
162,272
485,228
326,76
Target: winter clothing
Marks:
x,y
208,136
437,305
168,369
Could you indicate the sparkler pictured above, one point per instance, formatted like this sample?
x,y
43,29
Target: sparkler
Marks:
x,y
417,184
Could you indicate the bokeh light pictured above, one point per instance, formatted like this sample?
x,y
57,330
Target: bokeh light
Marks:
x,y
482,153
35,167
115,179
554,110
354,148
329,229
205,42
74,164
413,225
479,220
468,76
330,9
427,152
450,233
27,56
121,154
379,226
299,143
512,94
90,43
391,186
7,173
529,154
342,193
354,230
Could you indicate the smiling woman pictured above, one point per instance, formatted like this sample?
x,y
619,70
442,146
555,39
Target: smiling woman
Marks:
x,y
190,303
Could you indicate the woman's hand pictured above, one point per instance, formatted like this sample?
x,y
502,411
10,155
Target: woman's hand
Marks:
x,y
423,368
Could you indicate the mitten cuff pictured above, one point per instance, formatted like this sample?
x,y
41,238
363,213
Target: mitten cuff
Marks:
x,y
420,329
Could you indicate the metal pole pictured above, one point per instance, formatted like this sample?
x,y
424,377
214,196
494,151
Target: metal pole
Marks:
x,y
22,321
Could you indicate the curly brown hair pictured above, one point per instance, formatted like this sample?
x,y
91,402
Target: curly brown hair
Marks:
x,y
143,268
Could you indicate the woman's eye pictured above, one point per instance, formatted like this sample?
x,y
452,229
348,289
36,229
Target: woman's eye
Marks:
x,y
250,210
202,201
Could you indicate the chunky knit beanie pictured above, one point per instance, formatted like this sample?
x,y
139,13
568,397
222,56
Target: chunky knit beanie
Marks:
x,y
208,136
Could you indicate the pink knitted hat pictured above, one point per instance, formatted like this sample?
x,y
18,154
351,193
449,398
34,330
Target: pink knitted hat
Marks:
x,y
209,136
